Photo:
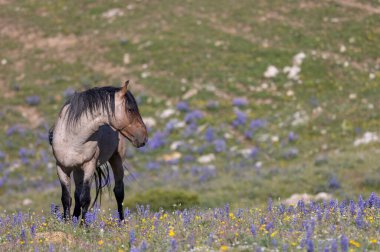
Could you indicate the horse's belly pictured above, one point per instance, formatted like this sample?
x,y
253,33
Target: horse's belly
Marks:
x,y
71,157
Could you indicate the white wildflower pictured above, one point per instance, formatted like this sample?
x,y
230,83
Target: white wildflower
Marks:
x,y
271,72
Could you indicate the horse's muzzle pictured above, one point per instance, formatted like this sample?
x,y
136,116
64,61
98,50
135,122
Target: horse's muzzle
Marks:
x,y
142,143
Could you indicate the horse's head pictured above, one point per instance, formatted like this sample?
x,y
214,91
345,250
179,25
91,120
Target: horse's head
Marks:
x,y
128,120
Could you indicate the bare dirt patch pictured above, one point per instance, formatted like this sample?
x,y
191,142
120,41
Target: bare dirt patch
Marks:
x,y
31,114
361,6
57,237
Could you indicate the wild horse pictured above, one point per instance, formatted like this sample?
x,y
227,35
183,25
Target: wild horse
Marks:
x,y
88,137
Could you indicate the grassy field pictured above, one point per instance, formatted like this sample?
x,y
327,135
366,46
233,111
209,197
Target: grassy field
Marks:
x,y
265,99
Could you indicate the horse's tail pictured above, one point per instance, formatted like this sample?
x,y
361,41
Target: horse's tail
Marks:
x,y
102,179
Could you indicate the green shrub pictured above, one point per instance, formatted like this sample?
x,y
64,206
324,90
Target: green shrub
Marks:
x,y
166,199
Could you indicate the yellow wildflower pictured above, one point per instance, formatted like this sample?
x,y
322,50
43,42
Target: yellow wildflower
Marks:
x,y
294,244
171,232
224,248
120,250
100,242
273,234
232,216
373,241
355,243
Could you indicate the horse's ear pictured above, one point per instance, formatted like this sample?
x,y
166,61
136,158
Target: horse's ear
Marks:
x,y
124,88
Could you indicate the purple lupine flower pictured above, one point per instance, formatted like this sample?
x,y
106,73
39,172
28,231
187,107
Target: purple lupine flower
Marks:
x,y
90,218
352,208
24,152
33,230
190,129
227,210
334,183
292,137
191,240
143,246
158,140
342,207
361,202
372,200
19,129
169,127
207,173
132,237
274,242
310,230
344,243
241,118
193,116
153,165
334,246
173,245
127,212
270,205
248,134
309,245
23,235
281,209
254,152
253,230
359,220
183,106
220,145
209,134
285,247
240,102
257,124
188,158
68,92
2,155
51,247
75,221
269,226
33,100
210,239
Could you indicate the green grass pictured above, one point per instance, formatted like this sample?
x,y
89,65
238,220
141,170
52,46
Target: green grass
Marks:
x,y
226,44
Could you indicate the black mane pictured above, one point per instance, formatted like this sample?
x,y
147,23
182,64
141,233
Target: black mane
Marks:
x,y
95,99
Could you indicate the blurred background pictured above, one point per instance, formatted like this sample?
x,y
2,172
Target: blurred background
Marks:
x,y
244,100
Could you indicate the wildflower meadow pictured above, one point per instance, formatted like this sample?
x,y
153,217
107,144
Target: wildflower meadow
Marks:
x,y
263,120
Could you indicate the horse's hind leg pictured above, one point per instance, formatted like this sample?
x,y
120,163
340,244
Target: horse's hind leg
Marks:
x,y
78,179
85,196
118,172
64,178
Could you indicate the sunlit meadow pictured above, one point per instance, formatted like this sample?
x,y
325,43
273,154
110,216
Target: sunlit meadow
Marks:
x,y
263,121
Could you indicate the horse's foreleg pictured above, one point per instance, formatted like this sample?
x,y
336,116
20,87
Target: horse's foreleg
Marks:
x,y
85,196
64,178
78,179
118,172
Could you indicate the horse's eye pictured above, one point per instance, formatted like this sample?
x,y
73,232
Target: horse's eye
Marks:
x,y
130,110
